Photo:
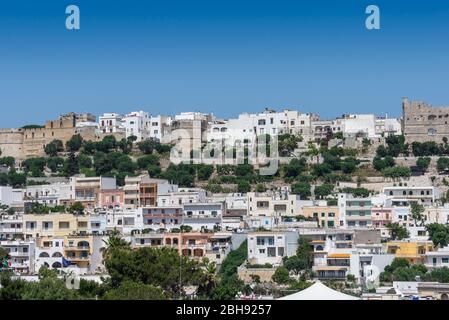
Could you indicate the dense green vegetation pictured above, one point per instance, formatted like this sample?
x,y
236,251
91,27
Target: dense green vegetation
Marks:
x,y
402,270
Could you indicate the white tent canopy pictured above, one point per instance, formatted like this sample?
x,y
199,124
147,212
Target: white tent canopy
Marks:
x,y
319,291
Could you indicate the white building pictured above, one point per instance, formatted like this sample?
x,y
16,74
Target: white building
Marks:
x,y
49,195
137,124
49,253
437,259
202,215
159,126
22,255
248,126
11,197
11,226
111,123
404,195
354,212
161,217
277,204
180,196
235,209
271,246
125,221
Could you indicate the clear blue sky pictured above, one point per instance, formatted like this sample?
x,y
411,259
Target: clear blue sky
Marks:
x,y
220,56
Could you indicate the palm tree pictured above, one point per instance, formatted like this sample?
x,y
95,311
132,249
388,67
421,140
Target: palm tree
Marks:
x,y
114,242
209,277
417,213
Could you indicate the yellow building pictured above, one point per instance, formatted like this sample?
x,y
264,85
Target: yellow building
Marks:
x,y
327,216
54,225
413,251
78,250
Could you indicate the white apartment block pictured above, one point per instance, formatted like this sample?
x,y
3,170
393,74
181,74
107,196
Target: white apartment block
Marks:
x,y
22,254
271,246
354,212
11,226
111,123
49,195
159,126
202,215
273,204
124,221
49,253
180,196
404,195
235,210
437,259
137,124
162,217
11,197
248,126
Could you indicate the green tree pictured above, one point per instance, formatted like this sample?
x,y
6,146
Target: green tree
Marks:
x,y
54,147
146,160
243,186
438,233
204,172
49,287
281,275
397,232
423,163
71,166
443,164
417,211
303,189
396,172
84,161
295,167
55,164
147,146
114,242
75,143
158,267
76,208
130,290
323,191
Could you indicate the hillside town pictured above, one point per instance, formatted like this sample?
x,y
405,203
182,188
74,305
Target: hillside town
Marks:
x,y
357,207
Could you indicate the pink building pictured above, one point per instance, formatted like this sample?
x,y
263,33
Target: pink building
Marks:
x,y
381,216
111,198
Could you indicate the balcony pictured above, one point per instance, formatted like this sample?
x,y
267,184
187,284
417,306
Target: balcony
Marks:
x,y
11,230
19,254
76,248
77,258
19,265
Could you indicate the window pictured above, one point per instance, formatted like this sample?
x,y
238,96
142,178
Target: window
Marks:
x,y
271,252
445,260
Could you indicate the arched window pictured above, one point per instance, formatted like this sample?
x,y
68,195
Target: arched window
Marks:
x,y
56,255
56,265
83,244
44,255
431,131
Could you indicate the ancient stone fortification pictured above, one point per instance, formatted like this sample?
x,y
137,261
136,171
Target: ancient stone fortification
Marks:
x,y
25,143
11,143
422,122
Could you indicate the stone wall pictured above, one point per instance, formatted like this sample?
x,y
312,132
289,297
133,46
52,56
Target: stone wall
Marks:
x,y
422,122
11,143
